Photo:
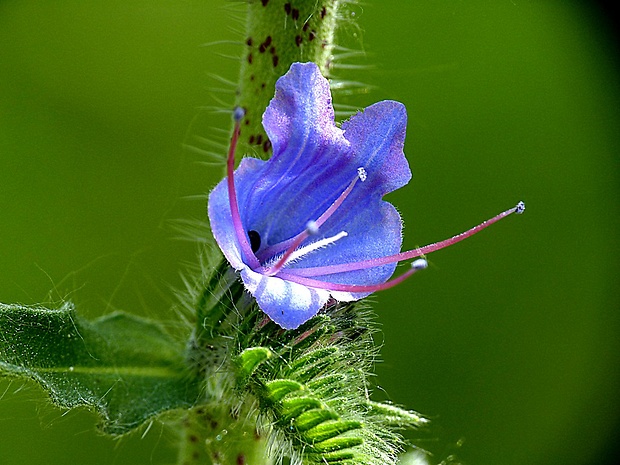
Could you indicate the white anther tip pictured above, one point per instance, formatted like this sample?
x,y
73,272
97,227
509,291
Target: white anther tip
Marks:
x,y
419,264
520,208
361,172
238,114
312,228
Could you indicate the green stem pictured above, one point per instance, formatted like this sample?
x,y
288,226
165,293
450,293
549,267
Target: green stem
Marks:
x,y
279,33
213,435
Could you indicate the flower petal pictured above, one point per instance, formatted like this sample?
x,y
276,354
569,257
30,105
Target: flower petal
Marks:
x,y
288,304
218,209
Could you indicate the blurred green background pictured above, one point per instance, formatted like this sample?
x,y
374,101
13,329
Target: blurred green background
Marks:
x,y
509,341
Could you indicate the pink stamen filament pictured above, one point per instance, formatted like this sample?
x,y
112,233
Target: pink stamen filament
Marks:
x,y
311,229
375,262
240,232
417,265
299,238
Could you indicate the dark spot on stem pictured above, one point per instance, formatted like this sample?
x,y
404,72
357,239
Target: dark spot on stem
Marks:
x,y
306,26
287,8
266,146
259,139
240,459
295,14
251,139
275,60
249,42
193,438
312,35
298,40
265,44
249,58
264,2
323,12
272,50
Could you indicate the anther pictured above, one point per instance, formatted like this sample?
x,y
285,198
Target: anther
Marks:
x,y
238,114
419,264
361,173
312,228
520,208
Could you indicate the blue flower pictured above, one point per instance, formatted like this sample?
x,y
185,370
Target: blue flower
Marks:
x,y
311,223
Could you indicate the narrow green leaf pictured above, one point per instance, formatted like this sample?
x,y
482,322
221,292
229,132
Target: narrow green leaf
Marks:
x,y
249,360
126,368
279,388
316,355
390,415
292,408
336,444
314,417
341,457
330,429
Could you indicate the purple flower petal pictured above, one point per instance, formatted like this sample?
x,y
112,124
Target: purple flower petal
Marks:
x,y
313,163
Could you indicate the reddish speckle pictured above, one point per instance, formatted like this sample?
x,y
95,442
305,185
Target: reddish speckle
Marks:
x,y
249,42
275,60
252,77
295,14
323,12
240,459
298,40
272,50
312,35
264,2
266,146
251,139
263,85
287,8
306,26
247,122
250,58
265,44
259,139
193,438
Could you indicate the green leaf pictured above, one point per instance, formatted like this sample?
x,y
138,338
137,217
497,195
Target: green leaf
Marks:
x,y
126,368
250,358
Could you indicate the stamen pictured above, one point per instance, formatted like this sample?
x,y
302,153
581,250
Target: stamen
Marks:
x,y
416,266
293,253
286,245
240,232
399,257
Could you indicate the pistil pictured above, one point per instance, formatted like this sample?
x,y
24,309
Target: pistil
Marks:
x,y
375,262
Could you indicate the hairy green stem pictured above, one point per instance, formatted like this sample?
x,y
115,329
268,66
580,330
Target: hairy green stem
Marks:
x,y
213,435
223,430
279,33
